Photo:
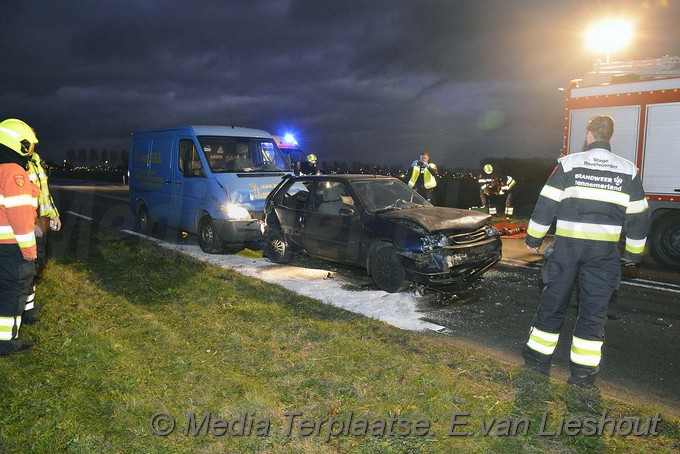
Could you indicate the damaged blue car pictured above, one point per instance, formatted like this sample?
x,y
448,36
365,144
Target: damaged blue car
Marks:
x,y
382,225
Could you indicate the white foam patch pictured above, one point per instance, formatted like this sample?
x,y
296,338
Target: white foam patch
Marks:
x,y
397,309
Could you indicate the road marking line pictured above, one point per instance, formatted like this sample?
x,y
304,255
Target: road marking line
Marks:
x,y
663,289
662,286
124,199
80,215
668,284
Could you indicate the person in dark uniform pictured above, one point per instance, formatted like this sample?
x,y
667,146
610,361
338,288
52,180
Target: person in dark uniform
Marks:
x,y
591,195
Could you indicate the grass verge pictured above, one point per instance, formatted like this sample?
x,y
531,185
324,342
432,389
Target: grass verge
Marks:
x,y
129,330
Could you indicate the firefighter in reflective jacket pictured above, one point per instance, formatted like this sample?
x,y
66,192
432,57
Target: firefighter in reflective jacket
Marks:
x,y
591,194
423,176
48,219
494,185
18,201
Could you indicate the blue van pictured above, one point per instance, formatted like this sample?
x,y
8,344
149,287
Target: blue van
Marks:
x,y
207,180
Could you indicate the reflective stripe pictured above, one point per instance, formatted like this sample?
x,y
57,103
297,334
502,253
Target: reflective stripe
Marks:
x,y
586,231
509,210
7,326
511,182
12,133
542,341
414,176
6,229
601,195
551,193
637,206
537,230
25,237
18,200
586,353
635,246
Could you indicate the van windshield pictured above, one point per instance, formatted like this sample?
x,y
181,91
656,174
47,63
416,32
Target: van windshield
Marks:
x,y
242,154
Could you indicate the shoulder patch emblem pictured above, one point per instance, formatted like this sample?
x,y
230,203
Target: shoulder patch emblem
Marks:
x,y
19,180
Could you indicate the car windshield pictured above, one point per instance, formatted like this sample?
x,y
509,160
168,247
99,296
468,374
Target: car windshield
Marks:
x,y
388,194
242,154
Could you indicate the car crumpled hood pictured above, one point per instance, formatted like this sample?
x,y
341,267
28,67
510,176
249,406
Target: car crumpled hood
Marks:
x,y
434,219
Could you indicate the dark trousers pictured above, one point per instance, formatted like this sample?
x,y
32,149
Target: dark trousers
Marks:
x,y
597,265
41,245
487,199
16,274
428,194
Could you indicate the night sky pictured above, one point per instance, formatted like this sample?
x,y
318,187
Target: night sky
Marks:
x,y
370,80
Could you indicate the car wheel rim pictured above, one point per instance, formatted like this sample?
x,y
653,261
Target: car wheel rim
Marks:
x,y
278,246
386,269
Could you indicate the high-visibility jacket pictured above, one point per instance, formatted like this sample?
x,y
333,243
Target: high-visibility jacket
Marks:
x,y
38,176
417,168
496,186
592,194
18,202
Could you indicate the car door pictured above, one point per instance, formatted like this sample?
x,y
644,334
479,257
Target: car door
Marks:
x,y
332,226
290,209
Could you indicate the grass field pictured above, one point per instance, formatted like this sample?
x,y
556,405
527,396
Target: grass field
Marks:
x,y
129,331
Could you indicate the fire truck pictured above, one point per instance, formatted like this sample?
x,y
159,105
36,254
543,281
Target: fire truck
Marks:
x,y
643,98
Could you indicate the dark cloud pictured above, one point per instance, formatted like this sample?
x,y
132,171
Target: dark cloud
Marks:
x,y
376,80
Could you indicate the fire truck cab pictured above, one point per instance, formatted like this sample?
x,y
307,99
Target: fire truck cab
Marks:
x,y
643,98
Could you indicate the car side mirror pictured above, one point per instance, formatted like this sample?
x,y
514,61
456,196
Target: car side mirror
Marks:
x,y
346,211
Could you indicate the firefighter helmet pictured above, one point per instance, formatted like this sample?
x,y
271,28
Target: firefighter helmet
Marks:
x,y
18,136
488,169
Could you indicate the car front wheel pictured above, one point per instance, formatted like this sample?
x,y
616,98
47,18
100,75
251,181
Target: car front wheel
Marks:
x,y
208,237
278,249
387,271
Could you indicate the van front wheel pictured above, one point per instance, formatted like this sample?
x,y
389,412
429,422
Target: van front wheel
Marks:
x,y
208,237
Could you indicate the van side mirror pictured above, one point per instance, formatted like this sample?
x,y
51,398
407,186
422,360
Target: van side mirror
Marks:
x,y
297,167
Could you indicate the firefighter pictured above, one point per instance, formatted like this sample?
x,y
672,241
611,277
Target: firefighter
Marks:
x,y
48,219
423,176
492,185
591,194
18,200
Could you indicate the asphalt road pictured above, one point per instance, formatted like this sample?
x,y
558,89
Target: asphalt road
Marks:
x,y
640,355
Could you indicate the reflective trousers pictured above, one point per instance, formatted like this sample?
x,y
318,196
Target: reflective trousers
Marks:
x,y
597,265
16,274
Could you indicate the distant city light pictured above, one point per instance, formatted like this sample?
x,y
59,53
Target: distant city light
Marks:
x,y
609,36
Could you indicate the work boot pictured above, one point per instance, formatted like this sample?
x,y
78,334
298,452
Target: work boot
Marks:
x,y
585,382
30,317
24,348
535,364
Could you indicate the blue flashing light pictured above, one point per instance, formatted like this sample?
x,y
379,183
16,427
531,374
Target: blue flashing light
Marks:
x,y
289,139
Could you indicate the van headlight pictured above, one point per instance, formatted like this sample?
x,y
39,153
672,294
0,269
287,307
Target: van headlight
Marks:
x,y
236,212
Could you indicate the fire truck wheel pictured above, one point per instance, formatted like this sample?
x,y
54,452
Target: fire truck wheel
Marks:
x,y
208,237
664,240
